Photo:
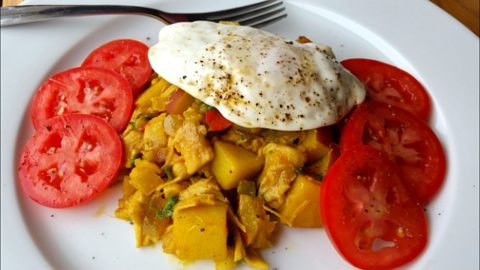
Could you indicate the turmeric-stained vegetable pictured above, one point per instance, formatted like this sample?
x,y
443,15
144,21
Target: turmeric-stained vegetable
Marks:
x,y
282,164
316,143
258,226
155,90
128,190
145,176
152,226
302,205
159,103
247,187
154,135
319,168
215,195
132,146
233,163
253,259
133,209
303,39
200,232
190,141
228,263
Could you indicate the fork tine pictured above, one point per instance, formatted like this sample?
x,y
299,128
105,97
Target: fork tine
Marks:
x,y
257,19
256,16
222,15
267,21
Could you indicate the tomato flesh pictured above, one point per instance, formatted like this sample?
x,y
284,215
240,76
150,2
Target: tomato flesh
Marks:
x,y
70,160
369,215
216,121
94,91
409,141
391,85
127,57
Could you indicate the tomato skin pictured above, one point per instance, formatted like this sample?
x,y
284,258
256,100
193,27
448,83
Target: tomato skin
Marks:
x,y
216,121
363,200
391,85
95,91
70,160
127,57
408,140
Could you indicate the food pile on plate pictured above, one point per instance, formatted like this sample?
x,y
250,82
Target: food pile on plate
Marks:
x,y
236,132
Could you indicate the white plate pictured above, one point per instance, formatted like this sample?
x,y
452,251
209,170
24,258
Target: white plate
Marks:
x,y
414,35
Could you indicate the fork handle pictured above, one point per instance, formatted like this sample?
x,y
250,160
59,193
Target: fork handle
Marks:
x,y
33,13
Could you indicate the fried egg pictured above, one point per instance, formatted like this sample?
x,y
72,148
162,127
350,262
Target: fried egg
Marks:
x,y
255,78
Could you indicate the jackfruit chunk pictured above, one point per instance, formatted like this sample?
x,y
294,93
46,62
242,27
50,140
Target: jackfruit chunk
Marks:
x,y
233,163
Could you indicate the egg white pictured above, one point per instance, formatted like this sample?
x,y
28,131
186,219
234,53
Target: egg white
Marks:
x,y
255,78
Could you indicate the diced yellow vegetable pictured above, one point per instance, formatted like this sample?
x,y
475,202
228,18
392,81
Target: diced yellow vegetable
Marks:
x,y
200,232
239,248
159,103
168,244
258,226
228,263
145,176
312,146
173,189
319,169
155,90
233,163
302,206
253,259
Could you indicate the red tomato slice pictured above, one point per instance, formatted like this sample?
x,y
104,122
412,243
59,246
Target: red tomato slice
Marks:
x,y
369,215
70,160
391,85
127,57
216,121
95,91
409,141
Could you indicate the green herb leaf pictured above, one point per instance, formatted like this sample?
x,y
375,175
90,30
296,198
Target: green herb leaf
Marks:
x,y
168,209
209,108
132,159
146,117
299,170
167,170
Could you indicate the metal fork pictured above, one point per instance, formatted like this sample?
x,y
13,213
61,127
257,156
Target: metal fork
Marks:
x,y
255,15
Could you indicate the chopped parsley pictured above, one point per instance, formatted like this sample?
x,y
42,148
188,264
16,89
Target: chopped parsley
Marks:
x,y
131,162
168,209
135,122
167,170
